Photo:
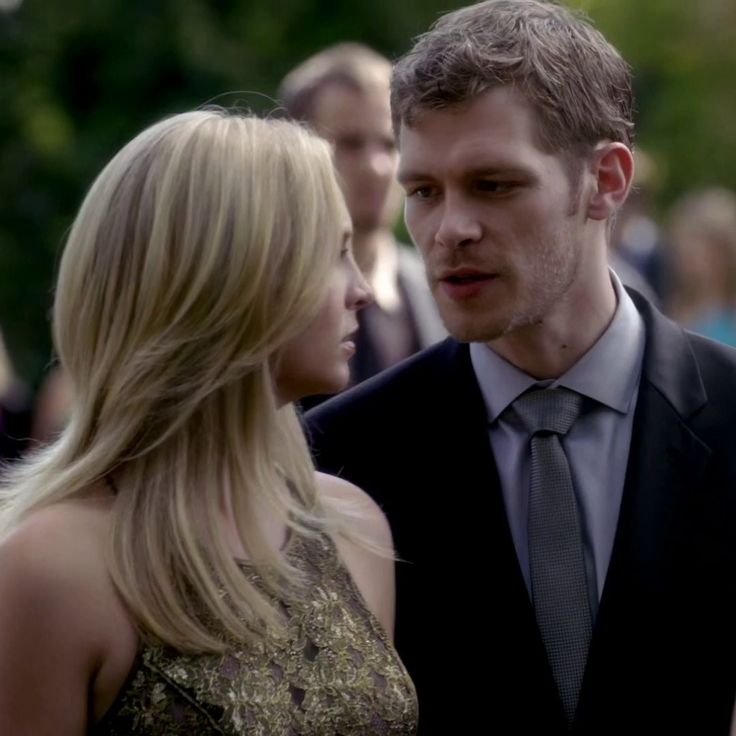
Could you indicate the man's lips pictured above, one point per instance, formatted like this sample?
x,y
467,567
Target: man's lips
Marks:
x,y
464,283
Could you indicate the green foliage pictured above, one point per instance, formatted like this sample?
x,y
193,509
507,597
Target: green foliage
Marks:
x,y
79,78
683,56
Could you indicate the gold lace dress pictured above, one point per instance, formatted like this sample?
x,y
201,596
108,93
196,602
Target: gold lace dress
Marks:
x,y
335,674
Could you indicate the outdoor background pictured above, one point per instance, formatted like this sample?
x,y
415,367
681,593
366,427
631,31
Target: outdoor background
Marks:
x,y
78,78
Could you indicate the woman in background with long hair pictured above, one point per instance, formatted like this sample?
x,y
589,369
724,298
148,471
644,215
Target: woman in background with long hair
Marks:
x,y
172,563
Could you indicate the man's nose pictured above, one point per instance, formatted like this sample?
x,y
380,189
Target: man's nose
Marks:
x,y
458,226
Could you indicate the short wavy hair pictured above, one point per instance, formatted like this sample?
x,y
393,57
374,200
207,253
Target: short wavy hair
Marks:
x,y
577,82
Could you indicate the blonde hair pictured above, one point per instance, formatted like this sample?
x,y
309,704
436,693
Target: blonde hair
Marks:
x,y
199,251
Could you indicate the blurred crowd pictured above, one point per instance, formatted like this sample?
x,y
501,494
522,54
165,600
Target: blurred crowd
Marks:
x,y
686,259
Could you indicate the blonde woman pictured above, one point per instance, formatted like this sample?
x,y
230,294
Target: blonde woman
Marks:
x,y
172,564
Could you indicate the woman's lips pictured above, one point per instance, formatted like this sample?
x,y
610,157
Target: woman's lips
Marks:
x,y
347,344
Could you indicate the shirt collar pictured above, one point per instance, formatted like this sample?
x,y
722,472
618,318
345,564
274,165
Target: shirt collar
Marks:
x,y
608,372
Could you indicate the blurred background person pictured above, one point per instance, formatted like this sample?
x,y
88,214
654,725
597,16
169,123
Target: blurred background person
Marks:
x,y
342,92
636,242
172,561
702,247
635,251
15,410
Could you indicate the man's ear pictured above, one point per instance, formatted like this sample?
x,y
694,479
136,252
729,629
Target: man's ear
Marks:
x,y
612,167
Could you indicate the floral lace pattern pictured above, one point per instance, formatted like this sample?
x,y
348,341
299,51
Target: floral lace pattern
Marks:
x,y
335,674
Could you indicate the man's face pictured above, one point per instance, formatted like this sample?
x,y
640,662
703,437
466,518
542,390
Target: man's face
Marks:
x,y
495,217
359,126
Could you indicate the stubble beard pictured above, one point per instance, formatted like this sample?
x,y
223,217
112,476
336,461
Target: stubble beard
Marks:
x,y
551,275
551,272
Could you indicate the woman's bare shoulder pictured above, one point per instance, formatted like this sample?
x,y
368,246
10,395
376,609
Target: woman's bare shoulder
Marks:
x,y
58,546
53,564
55,620
372,571
367,514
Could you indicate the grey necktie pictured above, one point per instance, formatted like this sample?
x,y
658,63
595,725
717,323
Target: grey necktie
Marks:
x,y
556,558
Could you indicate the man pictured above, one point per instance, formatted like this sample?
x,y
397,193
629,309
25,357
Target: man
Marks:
x,y
560,474
343,93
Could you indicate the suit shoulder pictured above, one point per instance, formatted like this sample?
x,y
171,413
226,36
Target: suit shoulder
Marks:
x,y
716,360
405,382
716,371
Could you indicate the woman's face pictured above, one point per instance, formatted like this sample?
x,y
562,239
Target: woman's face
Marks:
x,y
316,361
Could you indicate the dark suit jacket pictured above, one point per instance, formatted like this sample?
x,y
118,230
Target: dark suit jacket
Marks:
x,y
663,655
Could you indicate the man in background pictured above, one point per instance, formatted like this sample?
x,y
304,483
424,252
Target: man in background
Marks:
x,y
343,93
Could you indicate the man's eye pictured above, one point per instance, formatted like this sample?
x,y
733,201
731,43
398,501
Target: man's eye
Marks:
x,y
493,186
421,192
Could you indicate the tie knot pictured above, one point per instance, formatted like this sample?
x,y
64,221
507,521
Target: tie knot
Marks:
x,y
548,410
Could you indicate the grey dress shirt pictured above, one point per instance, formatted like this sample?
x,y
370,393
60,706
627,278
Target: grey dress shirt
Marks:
x,y
597,446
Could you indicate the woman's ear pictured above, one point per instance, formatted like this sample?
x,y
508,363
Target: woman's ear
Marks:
x,y
613,170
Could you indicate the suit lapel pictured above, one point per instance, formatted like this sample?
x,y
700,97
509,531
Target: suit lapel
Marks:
x,y
666,462
666,459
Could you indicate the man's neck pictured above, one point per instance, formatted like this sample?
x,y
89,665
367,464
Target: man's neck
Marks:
x,y
367,246
549,348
